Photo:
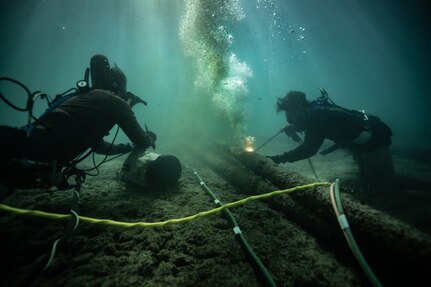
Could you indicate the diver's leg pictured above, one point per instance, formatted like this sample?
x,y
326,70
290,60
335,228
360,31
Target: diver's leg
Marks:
x,y
376,170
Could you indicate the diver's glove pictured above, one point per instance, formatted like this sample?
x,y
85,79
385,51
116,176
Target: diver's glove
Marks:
x,y
152,137
276,158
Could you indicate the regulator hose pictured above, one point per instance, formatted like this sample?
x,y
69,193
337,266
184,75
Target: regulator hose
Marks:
x,y
9,103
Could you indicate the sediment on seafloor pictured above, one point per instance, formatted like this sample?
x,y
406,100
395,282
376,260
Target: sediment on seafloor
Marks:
x,y
394,249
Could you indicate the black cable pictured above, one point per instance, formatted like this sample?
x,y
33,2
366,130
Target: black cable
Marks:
x,y
96,166
258,267
29,95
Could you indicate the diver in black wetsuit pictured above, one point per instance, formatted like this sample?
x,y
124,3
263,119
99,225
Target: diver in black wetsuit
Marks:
x,y
366,136
77,124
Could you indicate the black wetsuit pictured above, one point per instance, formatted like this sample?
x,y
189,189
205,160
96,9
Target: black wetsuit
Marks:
x,y
79,123
340,125
82,122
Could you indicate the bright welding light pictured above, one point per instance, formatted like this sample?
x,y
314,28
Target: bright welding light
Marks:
x,y
248,144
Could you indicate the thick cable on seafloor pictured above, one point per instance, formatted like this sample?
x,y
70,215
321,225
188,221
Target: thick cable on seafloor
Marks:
x,y
344,224
257,264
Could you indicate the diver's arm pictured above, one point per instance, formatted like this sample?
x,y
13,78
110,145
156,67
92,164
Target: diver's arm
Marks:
x,y
108,148
291,131
128,123
311,145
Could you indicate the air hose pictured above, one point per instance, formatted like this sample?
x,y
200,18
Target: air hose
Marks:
x,y
73,224
44,262
29,95
344,224
258,267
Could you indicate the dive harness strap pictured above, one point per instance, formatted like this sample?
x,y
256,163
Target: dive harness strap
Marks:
x,y
366,129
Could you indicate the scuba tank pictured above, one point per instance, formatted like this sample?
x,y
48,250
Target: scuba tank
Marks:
x,y
99,67
100,73
323,101
101,78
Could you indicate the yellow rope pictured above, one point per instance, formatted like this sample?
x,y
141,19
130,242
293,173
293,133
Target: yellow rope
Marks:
x,y
161,223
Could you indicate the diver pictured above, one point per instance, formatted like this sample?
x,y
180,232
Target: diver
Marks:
x,y
364,135
63,134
